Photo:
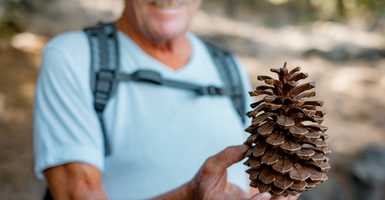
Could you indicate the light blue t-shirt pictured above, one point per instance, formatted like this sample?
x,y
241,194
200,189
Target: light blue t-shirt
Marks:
x,y
160,136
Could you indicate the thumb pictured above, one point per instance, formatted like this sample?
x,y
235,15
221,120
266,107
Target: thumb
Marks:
x,y
229,156
261,196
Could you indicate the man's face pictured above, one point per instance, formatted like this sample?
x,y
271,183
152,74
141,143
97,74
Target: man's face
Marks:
x,y
162,20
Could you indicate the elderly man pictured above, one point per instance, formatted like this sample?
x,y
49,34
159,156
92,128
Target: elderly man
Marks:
x,y
149,141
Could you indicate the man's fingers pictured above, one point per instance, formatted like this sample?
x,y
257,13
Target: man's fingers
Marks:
x,y
280,198
234,190
229,156
290,197
295,197
267,196
261,196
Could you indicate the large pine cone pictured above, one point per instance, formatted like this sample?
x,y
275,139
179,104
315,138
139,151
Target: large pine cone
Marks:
x,y
288,153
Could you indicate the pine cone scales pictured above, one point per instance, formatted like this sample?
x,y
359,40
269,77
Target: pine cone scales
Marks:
x,y
288,152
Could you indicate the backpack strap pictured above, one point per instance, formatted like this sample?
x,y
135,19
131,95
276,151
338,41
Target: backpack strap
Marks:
x,y
104,51
229,72
156,78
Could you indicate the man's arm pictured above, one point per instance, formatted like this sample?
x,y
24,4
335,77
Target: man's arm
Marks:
x,y
75,181
78,181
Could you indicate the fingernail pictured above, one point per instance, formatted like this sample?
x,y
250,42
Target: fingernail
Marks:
x,y
266,195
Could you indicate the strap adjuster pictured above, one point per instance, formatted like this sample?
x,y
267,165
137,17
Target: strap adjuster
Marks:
x,y
105,75
103,85
211,91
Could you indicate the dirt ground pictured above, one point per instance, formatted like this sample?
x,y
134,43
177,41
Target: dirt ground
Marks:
x,y
352,88
18,73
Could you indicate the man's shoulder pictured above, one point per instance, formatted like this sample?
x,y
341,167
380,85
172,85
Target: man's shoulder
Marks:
x,y
73,41
70,47
67,53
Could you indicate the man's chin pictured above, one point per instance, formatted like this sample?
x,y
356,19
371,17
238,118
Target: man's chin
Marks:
x,y
165,35
164,38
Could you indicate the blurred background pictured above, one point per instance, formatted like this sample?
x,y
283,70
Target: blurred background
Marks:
x,y
340,43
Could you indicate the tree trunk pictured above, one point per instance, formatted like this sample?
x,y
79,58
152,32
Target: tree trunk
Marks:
x,y
231,8
341,10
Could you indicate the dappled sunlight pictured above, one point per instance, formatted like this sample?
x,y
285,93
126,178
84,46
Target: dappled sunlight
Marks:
x,y
28,42
291,39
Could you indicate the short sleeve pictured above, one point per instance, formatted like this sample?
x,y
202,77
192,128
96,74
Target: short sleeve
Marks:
x,y
66,128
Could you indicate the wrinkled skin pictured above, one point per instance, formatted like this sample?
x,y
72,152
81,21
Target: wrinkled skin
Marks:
x,y
159,27
211,183
161,20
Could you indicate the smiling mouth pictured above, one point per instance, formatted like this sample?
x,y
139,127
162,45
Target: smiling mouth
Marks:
x,y
168,4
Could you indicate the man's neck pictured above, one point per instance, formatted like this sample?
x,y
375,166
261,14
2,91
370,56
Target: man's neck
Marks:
x,y
174,53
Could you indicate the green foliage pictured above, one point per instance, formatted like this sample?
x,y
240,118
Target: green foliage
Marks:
x,y
8,29
377,7
8,22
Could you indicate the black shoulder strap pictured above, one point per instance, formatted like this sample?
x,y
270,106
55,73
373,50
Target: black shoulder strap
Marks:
x,y
230,75
104,50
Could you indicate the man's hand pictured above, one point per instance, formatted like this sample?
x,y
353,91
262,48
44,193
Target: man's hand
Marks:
x,y
210,183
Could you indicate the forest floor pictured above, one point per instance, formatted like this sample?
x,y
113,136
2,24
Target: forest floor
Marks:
x,y
344,60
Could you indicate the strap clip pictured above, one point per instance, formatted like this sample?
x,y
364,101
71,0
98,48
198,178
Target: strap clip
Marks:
x,y
149,76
